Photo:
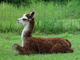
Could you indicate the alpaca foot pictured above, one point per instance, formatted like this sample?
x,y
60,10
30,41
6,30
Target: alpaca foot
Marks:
x,y
15,47
18,48
69,50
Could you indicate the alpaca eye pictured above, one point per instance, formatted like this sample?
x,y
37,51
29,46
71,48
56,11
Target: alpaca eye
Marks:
x,y
24,19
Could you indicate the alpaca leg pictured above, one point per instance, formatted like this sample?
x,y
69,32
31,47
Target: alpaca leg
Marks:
x,y
69,50
18,48
68,42
58,48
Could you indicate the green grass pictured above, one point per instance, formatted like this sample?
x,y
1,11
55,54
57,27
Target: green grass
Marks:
x,y
8,39
50,17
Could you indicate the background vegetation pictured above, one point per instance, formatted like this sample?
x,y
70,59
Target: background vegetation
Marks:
x,y
25,2
51,17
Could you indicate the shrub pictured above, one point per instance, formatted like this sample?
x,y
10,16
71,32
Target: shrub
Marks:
x,y
50,17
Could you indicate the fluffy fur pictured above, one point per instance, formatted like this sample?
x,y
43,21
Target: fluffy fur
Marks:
x,y
32,44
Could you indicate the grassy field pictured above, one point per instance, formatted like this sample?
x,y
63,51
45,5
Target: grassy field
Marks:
x,y
8,39
50,17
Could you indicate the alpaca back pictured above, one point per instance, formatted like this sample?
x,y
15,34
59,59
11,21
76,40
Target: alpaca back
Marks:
x,y
43,45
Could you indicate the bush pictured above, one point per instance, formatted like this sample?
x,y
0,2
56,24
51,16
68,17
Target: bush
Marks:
x,y
26,2
50,17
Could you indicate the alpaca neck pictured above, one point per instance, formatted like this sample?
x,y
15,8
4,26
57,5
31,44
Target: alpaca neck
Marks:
x,y
24,32
27,31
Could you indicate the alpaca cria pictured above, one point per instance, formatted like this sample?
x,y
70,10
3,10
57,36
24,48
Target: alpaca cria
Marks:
x,y
32,44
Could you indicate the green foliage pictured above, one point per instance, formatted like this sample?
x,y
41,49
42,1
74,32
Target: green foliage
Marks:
x,y
28,2
19,2
50,17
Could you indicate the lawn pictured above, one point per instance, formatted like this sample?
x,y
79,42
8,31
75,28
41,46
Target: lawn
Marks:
x,y
8,39
51,20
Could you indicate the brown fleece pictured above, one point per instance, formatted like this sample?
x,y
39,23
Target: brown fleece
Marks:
x,y
42,45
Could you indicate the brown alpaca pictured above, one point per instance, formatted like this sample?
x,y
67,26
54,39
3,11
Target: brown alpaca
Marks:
x,y
32,44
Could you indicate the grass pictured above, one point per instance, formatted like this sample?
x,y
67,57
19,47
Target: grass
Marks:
x,y
50,17
8,39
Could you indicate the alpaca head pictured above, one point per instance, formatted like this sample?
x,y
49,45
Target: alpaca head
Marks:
x,y
26,18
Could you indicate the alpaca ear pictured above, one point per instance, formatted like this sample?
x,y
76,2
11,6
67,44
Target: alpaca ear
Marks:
x,y
32,14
